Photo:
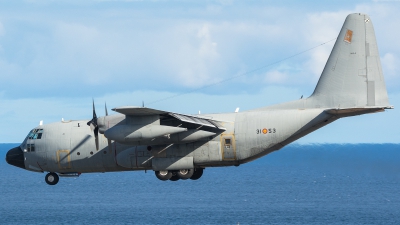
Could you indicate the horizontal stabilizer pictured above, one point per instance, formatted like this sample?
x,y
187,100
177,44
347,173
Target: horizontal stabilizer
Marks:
x,y
354,111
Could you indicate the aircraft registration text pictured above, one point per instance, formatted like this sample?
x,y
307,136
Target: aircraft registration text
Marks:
x,y
266,131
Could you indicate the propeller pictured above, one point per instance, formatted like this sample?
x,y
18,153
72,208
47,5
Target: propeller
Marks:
x,y
105,106
94,127
108,140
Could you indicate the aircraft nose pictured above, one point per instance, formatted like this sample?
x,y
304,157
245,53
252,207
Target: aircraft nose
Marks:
x,y
15,157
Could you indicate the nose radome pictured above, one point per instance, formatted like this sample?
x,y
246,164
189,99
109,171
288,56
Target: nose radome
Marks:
x,y
15,157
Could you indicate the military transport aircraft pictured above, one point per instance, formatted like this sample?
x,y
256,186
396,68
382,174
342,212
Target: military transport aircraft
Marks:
x,y
179,147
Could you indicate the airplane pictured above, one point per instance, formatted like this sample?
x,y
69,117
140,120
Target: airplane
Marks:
x,y
179,147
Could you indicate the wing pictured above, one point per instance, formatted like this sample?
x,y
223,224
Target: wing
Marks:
x,y
138,111
171,118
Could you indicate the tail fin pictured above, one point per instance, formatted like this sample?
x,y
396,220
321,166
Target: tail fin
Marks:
x,y
353,76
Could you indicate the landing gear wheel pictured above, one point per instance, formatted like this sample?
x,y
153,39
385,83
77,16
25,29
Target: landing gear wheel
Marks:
x,y
185,174
51,178
174,178
198,172
163,175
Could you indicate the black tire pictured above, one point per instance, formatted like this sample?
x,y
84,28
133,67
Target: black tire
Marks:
x,y
185,174
51,178
198,172
174,178
163,175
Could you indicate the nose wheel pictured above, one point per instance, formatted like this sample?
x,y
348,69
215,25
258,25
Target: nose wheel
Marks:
x,y
51,178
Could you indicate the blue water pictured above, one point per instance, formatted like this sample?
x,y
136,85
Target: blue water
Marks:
x,y
300,184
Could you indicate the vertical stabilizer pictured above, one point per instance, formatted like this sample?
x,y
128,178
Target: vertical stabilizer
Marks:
x,y
353,76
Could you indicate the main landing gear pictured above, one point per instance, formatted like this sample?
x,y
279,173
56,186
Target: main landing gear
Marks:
x,y
51,178
174,175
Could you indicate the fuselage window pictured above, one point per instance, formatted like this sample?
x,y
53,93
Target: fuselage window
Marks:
x,y
30,147
35,134
227,143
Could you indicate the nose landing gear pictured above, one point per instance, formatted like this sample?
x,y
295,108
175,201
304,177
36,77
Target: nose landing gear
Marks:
x,y
51,178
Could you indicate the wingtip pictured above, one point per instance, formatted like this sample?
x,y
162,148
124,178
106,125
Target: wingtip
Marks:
x,y
389,107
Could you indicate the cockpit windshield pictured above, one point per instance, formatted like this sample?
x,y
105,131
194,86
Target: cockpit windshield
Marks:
x,y
35,134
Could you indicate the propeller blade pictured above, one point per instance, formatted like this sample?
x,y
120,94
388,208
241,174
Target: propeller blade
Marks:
x,y
105,106
94,120
94,127
96,137
91,126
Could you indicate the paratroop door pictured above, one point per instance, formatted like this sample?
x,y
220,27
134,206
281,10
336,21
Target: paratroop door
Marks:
x,y
228,147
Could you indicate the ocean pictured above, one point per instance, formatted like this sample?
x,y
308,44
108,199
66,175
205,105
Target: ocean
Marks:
x,y
300,184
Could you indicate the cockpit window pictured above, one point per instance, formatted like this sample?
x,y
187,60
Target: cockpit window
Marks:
x,y
35,134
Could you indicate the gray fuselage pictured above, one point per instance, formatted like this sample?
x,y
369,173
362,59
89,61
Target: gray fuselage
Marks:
x,y
68,146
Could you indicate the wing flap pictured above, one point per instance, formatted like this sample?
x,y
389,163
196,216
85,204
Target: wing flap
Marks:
x,y
191,119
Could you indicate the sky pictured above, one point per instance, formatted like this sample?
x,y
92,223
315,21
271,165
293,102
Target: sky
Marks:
x,y
181,56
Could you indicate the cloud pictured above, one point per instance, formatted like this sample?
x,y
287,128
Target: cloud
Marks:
x,y
93,53
321,27
208,48
192,59
275,77
391,70
391,63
